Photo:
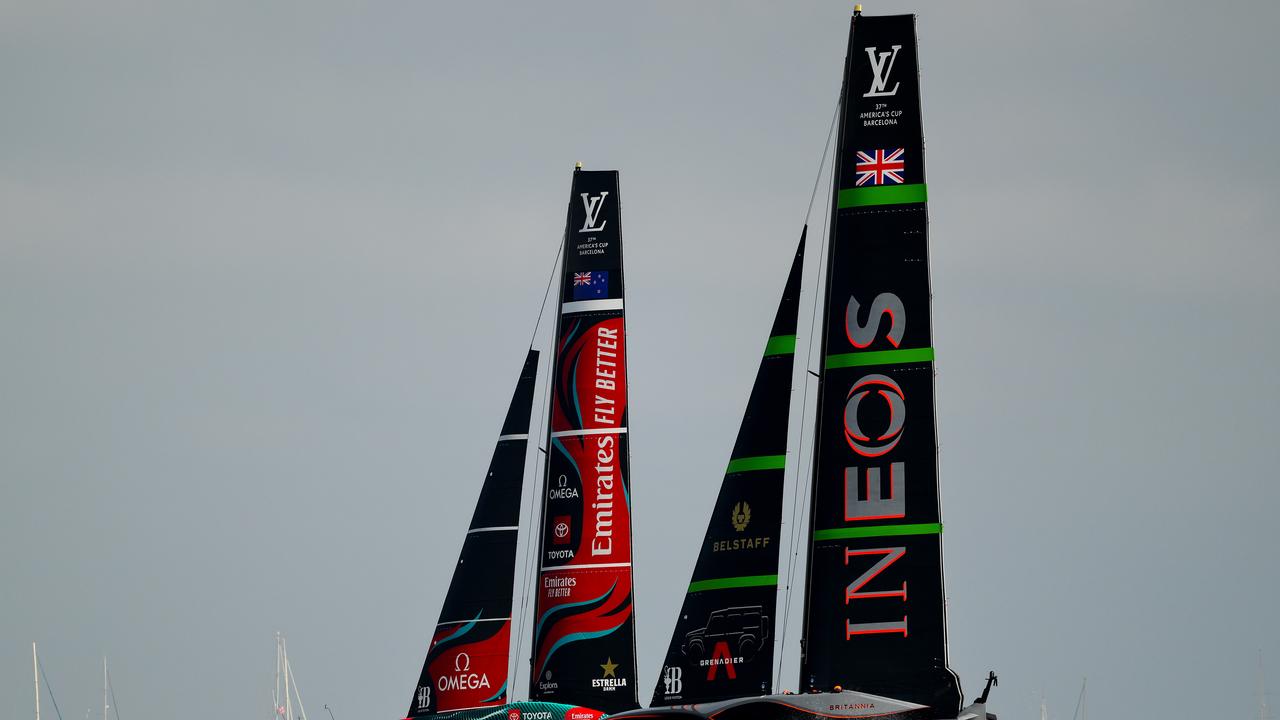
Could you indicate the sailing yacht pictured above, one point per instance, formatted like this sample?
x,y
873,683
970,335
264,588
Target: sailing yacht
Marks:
x,y
875,642
583,629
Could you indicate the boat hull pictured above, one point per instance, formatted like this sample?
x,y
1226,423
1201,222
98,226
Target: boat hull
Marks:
x,y
526,710
811,706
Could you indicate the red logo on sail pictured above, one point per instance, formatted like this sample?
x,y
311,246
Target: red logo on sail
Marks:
x,y
560,530
721,656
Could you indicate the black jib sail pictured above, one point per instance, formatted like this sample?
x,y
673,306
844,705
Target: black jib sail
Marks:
x,y
724,638
875,619
466,666
584,631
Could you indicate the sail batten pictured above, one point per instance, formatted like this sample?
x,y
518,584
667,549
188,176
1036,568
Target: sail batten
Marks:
x,y
874,606
467,663
723,644
584,633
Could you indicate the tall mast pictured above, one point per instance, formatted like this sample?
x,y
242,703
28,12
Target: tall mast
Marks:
x,y
104,687
1263,711
875,617
35,671
1082,707
584,628
284,668
288,699
276,708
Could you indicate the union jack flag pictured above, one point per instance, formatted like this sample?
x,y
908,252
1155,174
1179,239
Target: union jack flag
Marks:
x,y
880,167
582,278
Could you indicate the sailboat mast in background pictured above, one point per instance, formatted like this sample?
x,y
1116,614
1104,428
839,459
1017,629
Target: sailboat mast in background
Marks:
x,y
35,671
286,689
1264,712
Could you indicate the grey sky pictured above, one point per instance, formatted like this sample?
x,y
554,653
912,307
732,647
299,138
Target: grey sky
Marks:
x,y
267,273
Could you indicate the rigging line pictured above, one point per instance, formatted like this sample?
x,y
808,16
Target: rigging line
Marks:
x,y
289,669
1079,700
550,279
513,664
112,688
796,497
821,163
49,688
535,497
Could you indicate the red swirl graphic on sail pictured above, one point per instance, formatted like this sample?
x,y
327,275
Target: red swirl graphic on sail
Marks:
x,y
579,605
583,634
591,387
467,666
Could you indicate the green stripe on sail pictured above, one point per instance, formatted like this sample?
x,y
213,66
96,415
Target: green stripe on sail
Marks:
x,y
880,357
759,462
733,582
878,531
780,345
882,195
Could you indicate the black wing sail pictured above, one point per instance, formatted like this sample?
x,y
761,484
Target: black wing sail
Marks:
x,y
874,612
724,638
466,666
584,628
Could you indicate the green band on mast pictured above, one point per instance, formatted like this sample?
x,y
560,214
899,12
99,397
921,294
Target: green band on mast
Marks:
x,y
733,582
882,195
878,531
759,462
880,357
780,345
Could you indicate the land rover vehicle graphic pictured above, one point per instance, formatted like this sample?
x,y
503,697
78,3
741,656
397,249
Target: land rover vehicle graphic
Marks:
x,y
743,628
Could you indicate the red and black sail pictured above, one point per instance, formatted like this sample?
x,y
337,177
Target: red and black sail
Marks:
x,y
584,631
723,643
466,666
875,616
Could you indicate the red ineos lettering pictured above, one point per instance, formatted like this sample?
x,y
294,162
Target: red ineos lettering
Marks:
x,y
874,504
892,394
861,336
855,592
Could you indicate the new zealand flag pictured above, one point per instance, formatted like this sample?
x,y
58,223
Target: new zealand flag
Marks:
x,y
591,285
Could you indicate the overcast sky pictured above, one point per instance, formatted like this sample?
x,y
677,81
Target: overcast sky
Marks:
x,y
268,272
